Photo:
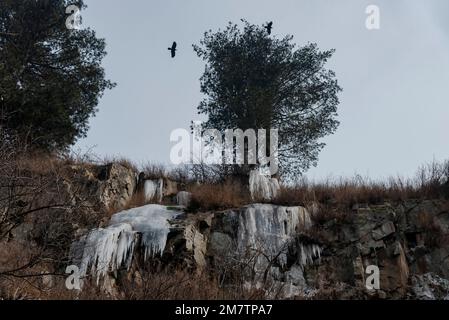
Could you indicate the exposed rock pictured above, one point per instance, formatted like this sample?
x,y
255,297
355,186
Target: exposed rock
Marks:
x,y
430,286
288,251
107,186
187,241
384,231
220,245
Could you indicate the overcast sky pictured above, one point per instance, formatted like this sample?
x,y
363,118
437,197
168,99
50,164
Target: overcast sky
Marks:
x,y
394,110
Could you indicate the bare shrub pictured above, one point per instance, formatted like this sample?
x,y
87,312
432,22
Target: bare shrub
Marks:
x,y
154,171
38,214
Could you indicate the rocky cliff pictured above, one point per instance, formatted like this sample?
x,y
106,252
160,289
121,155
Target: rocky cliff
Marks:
x,y
294,252
298,252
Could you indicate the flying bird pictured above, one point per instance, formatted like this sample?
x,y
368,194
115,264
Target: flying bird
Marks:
x,y
269,26
173,49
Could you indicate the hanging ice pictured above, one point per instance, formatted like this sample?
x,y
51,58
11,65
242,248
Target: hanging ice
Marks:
x,y
107,249
262,187
154,190
308,253
183,198
270,229
152,222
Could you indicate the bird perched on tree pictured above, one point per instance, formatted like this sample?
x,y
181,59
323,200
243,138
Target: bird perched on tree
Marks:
x,y
173,49
269,26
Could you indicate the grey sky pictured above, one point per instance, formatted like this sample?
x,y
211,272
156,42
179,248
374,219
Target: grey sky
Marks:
x,y
394,110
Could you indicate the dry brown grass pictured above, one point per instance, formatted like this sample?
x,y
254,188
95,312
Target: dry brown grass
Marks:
x,y
229,194
430,182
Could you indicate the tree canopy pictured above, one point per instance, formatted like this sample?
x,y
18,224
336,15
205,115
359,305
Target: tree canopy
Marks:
x,y
255,81
51,76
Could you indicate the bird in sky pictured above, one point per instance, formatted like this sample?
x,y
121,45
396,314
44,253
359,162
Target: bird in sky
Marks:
x,y
173,49
269,26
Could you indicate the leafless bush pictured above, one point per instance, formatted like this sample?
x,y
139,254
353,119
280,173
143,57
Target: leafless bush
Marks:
x,y
154,171
37,212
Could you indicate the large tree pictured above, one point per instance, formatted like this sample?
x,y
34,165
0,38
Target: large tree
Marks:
x,y
51,76
255,81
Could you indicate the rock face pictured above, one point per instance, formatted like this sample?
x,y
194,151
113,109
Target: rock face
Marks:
x,y
94,188
430,286
310,256
390,237
109,186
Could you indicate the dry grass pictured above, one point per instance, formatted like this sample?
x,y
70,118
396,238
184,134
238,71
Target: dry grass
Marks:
x,y
431,182
229,194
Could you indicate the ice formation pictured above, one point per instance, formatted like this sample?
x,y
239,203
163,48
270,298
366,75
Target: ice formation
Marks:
x,y
262,187
154,190
183,198
308,253
270,229
106,250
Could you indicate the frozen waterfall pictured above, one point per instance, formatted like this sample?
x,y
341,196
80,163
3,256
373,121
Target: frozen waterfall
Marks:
x,y
106,250
269,230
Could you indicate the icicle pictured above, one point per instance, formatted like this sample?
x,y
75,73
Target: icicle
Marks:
x,y
305,221
262,187
270,228
107,249
183,198
308,253
161,190
154,190
150,190
152,222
